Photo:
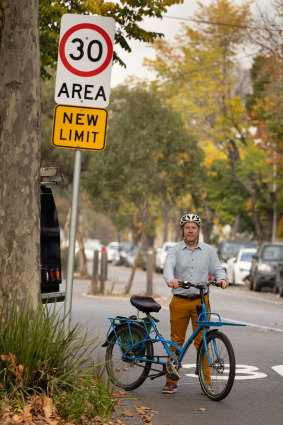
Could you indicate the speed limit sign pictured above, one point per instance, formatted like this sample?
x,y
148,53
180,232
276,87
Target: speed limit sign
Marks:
x,y
84,60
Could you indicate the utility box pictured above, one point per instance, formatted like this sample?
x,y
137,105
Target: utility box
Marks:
x,y
50,252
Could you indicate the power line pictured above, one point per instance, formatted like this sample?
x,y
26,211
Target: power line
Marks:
x,y
222,24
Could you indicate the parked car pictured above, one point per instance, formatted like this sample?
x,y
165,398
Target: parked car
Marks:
x,y
112,248
131,256
50,254
278,288
264,264
238,267
120,255
91,245
161,256
229,248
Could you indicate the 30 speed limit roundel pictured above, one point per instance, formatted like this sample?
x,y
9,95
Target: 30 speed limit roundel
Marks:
x,y
86,46
84,60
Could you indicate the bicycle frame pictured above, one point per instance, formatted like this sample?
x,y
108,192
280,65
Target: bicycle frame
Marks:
x,y
152,334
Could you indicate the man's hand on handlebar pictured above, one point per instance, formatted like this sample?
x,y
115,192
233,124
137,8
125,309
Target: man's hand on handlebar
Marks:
x,y
222,283
174,283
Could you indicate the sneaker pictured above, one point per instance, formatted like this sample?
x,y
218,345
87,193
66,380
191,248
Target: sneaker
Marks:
x,y
210,388
169,388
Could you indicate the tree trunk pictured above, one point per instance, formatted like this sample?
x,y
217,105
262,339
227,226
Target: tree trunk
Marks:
x,y
131,279
82,256
19,152
144,229
235,226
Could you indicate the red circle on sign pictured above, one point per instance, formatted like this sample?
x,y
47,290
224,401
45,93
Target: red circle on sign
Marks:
x,y
77,71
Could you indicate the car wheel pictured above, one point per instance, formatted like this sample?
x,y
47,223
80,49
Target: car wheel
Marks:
x,y
251,279
256,285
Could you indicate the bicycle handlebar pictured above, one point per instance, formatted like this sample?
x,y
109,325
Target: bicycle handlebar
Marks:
x,y
186,285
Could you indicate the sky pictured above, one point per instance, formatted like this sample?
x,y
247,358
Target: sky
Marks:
x,y
169,27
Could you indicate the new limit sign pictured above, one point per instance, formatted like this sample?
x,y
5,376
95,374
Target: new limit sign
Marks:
x,y
76,127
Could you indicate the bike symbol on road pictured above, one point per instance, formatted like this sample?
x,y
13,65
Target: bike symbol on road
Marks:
x,y
243,372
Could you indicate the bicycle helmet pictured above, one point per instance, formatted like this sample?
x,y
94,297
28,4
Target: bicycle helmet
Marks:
x,y
190,218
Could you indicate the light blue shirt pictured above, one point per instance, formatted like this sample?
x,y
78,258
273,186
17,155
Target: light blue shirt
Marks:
x,y
193,266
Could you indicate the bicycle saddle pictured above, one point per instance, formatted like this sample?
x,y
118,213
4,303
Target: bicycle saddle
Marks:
x,y
145,304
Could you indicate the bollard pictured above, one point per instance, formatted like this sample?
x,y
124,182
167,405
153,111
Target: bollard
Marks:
x,y
103,270
149,272
94,280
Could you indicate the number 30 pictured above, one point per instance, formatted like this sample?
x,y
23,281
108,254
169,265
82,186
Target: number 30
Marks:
x,y
80,49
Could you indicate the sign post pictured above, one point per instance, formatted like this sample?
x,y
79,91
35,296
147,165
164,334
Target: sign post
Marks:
x,y
83,85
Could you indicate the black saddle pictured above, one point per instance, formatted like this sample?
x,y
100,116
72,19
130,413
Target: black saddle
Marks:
x,y
145,304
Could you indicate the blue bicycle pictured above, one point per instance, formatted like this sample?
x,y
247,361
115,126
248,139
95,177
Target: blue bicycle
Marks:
x,y
130,355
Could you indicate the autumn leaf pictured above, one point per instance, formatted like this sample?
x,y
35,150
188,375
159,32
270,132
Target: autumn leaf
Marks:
x,y
127,413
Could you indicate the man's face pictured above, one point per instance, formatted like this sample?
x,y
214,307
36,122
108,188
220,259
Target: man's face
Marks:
x,y
191,231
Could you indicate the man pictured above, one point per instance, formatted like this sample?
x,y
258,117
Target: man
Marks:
x,y
192,261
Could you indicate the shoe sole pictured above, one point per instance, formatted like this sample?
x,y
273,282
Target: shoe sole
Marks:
x,y
169,392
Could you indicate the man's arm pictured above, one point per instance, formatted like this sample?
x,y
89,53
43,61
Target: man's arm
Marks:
x,y
169,267
217,270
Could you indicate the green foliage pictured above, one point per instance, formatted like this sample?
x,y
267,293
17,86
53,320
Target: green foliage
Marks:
x,y
88,398
35,352
226,196
127,14
149,155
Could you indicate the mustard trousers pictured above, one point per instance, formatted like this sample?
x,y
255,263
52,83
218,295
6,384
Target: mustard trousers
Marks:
x,y
181,311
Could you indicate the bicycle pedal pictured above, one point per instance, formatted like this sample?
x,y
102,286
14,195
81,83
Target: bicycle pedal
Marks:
x,y
173,376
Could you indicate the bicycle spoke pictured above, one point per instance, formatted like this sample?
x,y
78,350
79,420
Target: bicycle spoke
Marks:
x,y
217,379
128,371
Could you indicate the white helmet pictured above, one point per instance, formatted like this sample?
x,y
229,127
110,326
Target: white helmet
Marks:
x,y
190,218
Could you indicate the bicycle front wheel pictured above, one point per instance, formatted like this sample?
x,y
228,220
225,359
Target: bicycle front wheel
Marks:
x,y
130,371
217,380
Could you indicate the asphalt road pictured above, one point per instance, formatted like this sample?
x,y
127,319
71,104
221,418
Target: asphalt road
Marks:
x,y
257,394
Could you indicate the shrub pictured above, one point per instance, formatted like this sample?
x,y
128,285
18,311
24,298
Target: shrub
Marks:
x,y
37,355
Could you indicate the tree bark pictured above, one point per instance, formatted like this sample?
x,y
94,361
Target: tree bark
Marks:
x,y
235,226
144,229
19,152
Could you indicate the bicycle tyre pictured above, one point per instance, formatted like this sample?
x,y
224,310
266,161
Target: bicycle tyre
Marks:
x,y
222,371
128,374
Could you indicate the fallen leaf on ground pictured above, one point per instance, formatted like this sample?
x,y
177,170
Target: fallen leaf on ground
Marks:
x,y
202,409
127,413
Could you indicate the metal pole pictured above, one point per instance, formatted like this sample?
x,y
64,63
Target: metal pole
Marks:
x,y
149,272
103,271
72,239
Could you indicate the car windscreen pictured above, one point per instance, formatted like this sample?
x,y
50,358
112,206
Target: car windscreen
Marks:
x,y
229,249
246,256
272,253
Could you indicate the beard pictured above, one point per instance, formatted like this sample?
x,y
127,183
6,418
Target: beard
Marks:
x,y
191,242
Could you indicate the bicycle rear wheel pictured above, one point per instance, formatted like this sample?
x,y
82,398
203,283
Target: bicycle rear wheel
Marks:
x,y
217,380
128,373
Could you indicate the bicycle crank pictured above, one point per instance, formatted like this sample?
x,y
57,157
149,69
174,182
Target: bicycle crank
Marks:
x,y
172,367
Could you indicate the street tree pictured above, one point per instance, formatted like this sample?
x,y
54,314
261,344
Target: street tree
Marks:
x,y
198,76
149,157
21,58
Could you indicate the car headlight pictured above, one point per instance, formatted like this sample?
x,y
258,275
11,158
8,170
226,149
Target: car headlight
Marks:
x,y
264,268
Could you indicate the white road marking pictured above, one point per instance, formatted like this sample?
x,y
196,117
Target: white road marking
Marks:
x,y
254,325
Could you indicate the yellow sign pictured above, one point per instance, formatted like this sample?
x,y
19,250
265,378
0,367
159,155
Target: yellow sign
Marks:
x,y
77,127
